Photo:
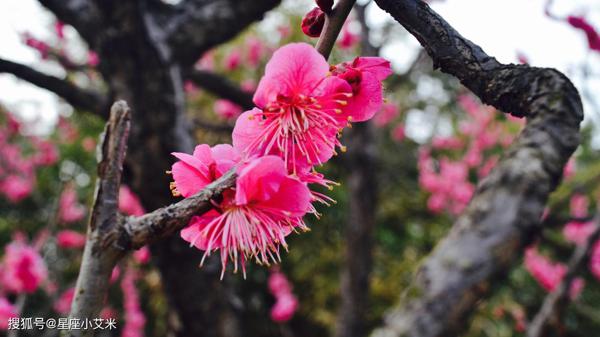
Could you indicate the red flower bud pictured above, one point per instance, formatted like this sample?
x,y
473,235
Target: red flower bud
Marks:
x,y
313,21
325,5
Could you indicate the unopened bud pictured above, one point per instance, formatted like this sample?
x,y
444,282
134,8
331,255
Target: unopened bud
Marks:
x,y
313,21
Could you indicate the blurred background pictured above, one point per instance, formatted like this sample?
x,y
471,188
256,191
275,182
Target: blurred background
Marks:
x,y
406,176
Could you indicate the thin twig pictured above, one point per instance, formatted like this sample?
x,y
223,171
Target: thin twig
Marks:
x,y
555,302
334,22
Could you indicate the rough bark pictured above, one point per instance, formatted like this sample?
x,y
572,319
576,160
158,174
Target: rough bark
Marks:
x,y
360,162
77,97
505,211
98,258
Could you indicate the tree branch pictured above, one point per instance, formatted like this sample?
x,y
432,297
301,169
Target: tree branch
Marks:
x,y
221,87
77,97
507,206
361,161
137,232
334,21
81,14
555,302
98,258
198,25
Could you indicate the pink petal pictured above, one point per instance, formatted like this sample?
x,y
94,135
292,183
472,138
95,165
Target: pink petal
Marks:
x,y
295,68
259,180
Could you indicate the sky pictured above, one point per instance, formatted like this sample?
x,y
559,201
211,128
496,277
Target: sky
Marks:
x,y
501,27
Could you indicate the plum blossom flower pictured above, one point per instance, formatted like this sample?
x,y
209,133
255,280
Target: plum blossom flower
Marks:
x,y
386,114
129,203
348,38
284,308
233,59
142,255
70,239
63,304
286,303
16,188
7,311
70,210
301,110
134,316
595,260
364,74
548,274
93,59
252,220
23,268
226,109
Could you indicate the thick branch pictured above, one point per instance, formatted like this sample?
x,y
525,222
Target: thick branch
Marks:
x,y
555,302
81,14
98,259
77,97
140,231
334,22
221,87
198,25
506,208
361,162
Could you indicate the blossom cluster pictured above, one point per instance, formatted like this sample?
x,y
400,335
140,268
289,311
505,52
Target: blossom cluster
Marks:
x,y
303,104
286,303
20,157
448,179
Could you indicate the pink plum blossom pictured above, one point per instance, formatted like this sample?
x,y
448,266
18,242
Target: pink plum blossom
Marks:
x,y
129,203
93,59
348,38
233,59
252,220
548,274
364,75
254,51
226,109
23,268
70,210
300,110
134,317
7,311
284,308
286,303
595,260
70,239
16,188
63,304
142,255
398,133
386,114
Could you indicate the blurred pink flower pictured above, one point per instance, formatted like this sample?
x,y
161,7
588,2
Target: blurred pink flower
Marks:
x,y
70,210
142,255
23,268
7,311
70,239
284,308
227,109
233,59
129,203
348,38
398,133
93,59
16,188
386,114
63,304
134,317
